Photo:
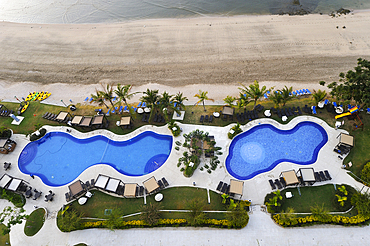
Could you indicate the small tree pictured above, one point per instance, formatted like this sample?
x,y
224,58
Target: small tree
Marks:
x,y
318,96
286,94
202,96
114,219
320,211
254,91
70,220
196,216
276,97
151,213
288,215
365,173
13,216
238,217
229,100
362,202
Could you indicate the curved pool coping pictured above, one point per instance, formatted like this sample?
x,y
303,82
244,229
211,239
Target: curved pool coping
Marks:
x,y
162,130
288,126
278,161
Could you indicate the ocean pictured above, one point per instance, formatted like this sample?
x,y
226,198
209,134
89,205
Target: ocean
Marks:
x,y
109,11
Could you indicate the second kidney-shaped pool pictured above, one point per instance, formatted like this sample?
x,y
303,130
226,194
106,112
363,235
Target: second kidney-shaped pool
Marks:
x,y
263,147
58,158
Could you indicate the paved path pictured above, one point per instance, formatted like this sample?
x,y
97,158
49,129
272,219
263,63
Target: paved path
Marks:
x,y
261,230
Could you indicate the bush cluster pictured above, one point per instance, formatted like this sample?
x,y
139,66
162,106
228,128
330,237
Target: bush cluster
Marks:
x,y
34,137
161,223
236,130
17,199
315,219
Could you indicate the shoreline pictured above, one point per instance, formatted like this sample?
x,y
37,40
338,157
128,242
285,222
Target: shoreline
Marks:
x,y
215,52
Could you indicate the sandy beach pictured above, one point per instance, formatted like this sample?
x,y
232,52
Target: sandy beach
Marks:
x,y
70,60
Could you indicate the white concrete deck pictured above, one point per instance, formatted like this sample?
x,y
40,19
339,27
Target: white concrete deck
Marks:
x,y
261,230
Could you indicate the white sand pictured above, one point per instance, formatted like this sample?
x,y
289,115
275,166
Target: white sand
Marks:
x,y
180,54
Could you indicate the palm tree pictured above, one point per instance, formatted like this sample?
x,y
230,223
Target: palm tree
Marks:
x,y
276,97
319,95
107,93
166,102
179,100
288,215
242,101
229,100
98,98
202,96
123,94
286,94
320,211
254,91
151,213
150,98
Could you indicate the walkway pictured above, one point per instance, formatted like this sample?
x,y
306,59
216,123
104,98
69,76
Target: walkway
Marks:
x,y
261,230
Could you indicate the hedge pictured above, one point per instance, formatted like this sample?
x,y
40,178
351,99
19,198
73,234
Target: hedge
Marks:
x,y
161,223
314,219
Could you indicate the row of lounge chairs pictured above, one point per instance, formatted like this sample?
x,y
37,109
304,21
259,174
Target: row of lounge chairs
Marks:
x,y
5,112
287,111
120,190
205,119
278,183
223,187
159,118
247,115
322,176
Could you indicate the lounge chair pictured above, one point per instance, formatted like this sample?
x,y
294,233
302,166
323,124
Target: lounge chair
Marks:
x,y
272,184
107,114
68,197
139,105
308,91
219,186
120,109
201,119
278,113
210,118
92,183
141,190
282,181
165,181
278,184
328,177
299,111
206,118
88,186
317,177
224,188
314,110
161,186
322,176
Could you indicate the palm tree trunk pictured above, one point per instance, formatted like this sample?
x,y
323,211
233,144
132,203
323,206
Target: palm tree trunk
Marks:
x,y
204,107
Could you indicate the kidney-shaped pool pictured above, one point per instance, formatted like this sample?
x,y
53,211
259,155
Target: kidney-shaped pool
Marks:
x,y
58,158
263,147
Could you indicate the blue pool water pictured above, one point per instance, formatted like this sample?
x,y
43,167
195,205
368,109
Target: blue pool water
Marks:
x,y
263,147
58,158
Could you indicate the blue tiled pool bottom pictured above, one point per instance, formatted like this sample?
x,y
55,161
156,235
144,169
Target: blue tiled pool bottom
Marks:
x,y
263,147
59,158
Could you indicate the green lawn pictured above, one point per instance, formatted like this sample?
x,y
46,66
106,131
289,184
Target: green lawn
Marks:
x,y
4,239
359,154
34,222
174,198
310,196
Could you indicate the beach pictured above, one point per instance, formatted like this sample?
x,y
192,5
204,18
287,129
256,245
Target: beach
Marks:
x,y
208,53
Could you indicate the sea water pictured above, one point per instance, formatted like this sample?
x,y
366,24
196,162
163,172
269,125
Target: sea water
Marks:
x,y
108,11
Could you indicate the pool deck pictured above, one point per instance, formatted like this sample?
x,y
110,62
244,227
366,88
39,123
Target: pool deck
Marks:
x,y
261,230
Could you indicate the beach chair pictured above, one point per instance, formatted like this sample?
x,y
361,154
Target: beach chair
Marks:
x,y
139,105
265,95
308,91
368,110
107,114
219,186
86,99
91,99
143,105
273,187
328,177
335,104
125,109
120,110
314,110
164,181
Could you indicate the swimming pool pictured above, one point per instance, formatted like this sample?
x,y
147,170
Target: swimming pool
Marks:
x,y
263,147
58,158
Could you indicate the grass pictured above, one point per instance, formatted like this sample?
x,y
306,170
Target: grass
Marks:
x,y
34,222
359,154
4,239
174,199
310,196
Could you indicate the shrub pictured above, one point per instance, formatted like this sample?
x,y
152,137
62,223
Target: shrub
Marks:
x,y
5,132
177,148
365,173
34,137
17,199
209,171
175,129
235,130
